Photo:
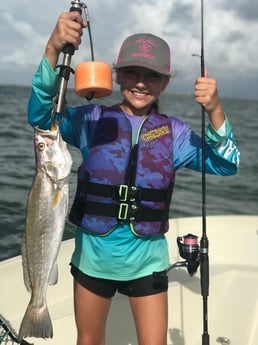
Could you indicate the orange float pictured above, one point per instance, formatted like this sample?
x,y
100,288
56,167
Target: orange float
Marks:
x,y
93,79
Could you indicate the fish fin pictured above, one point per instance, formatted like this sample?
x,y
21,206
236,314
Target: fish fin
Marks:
x,y
57,197
53,276
36,323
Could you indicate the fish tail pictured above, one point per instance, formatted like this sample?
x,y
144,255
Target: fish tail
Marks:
x,y
36,323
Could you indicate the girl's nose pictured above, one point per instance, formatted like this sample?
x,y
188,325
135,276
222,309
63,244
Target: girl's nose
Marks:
x,y
142,78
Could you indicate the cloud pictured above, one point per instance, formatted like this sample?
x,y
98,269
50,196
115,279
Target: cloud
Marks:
x,y
246,10
230,37
23,32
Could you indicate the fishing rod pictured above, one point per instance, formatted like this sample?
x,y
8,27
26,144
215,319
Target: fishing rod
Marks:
x,y
189,249
204,243
92,78
65,69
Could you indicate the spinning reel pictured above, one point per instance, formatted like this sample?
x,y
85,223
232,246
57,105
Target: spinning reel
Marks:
x,y
190,251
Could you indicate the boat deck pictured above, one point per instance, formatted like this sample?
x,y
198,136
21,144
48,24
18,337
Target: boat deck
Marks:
x,y
232,303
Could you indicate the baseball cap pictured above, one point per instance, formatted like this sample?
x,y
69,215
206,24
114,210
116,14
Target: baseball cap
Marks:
x,y
145,50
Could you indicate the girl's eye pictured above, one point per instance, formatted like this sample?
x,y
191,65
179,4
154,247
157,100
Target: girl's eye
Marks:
x,y
154,76
130,72
149,76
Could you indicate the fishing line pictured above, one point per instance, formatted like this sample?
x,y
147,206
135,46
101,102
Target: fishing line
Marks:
x,y
86,13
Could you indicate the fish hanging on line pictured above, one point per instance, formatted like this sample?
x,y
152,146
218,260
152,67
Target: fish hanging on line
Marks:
x,y
45,220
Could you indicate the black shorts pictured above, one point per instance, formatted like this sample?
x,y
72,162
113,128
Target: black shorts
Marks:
x,y
149,285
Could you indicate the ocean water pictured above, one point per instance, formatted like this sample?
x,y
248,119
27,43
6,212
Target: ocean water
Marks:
x,y
224,195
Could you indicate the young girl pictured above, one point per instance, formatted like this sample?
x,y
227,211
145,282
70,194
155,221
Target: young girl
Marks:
x,y
130,154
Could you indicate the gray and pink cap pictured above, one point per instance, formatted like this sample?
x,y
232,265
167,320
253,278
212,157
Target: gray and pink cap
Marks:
x,y
145,50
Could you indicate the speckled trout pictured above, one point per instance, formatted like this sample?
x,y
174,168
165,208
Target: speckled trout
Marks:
x,y
45,219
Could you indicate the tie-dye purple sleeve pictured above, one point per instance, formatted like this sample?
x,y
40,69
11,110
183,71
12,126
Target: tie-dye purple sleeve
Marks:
x,y
222,158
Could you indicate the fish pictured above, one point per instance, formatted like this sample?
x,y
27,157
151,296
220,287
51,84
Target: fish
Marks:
x,y
46,212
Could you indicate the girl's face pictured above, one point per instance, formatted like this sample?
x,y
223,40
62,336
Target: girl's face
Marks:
x,y
140,88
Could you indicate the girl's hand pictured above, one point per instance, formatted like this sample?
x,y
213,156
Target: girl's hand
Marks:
x,y
68,29
206,94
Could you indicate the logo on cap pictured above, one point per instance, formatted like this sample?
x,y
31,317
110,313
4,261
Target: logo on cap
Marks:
x,y
145,48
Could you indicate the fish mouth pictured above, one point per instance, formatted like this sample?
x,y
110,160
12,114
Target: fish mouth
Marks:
x,y
54,128
52,133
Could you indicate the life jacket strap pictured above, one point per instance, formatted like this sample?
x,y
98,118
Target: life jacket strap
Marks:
x,y
126,201
124,192
124,211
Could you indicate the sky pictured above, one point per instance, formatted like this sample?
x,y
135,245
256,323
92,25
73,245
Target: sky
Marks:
x,y
230,38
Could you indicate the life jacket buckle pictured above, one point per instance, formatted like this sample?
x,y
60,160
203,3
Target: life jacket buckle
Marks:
x,y
123,211
123,192
128,193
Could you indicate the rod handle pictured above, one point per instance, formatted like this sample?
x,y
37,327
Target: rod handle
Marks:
x,y
69,48
204,266
205,339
